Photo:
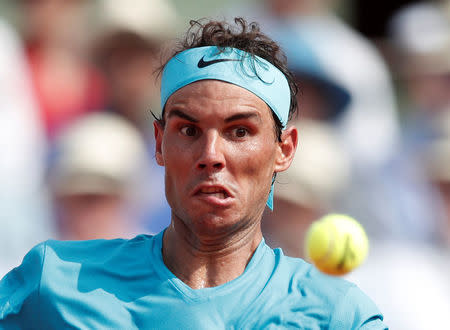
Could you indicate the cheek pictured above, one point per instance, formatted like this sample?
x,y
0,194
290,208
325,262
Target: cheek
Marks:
x,y
177,162
257,161
172,151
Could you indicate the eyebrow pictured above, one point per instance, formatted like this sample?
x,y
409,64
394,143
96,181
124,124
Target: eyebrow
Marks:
x,y
239,116
245,115
181,114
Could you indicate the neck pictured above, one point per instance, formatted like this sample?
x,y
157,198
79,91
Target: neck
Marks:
x,y
202,263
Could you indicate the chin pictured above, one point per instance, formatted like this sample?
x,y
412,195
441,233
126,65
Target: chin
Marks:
x,y
214,224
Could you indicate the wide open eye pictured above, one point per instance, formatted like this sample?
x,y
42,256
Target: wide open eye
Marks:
x,y
189,130
240,132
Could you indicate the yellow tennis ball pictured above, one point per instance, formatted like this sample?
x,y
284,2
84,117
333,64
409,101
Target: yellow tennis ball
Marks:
x,y
336,244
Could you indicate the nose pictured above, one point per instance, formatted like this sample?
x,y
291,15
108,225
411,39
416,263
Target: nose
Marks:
x,y
211,152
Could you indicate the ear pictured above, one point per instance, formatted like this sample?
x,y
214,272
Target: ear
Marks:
x,y
159,131
286,149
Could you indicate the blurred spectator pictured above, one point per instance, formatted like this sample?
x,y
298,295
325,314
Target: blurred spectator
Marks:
x,y
418,182
308,189
98,162
422,56
128,51
128,48
411,278
55,34
437,160
321,97
23,207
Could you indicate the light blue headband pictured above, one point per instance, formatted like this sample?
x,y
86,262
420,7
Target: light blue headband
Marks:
x,y
234,66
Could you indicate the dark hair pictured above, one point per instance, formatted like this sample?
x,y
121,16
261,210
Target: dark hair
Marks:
x,y
244,36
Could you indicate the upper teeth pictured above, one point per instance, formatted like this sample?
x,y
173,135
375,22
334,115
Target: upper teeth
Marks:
x,y
210,190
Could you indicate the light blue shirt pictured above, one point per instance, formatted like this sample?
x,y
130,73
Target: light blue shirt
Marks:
x,y
124,284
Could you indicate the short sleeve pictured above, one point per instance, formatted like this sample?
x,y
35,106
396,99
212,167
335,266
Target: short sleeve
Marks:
x,y
19,291
357,311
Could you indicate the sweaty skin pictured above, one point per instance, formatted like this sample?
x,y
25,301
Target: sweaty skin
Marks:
x,y
219,150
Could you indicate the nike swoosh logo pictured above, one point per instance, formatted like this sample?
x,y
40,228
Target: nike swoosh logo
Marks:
x,y
203,64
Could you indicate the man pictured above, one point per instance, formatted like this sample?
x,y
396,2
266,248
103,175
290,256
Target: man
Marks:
x,y
65,84
93,178
225,98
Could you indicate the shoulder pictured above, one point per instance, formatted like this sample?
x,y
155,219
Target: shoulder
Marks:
x,y
93,250
51,255
67,262
21,285
44,254
55,272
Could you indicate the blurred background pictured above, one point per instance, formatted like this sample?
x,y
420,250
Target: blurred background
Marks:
x,y
78,85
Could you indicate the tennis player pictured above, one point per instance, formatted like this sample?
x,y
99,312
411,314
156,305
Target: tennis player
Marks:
x,y
226,97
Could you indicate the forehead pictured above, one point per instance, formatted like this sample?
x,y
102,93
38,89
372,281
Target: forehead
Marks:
x,y
217,97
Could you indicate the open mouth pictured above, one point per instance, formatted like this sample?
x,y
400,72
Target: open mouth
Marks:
x,y
217,192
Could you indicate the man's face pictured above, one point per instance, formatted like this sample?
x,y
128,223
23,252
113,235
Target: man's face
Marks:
x,y
219,150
